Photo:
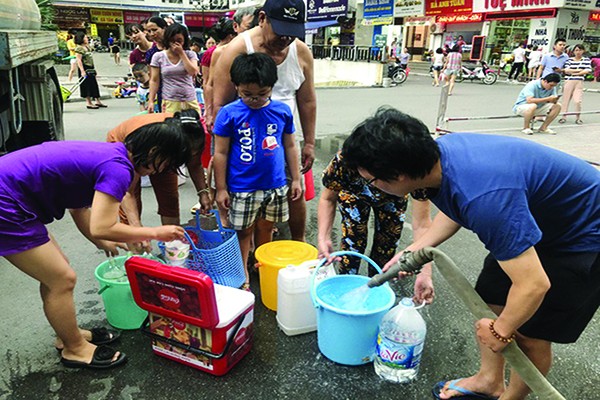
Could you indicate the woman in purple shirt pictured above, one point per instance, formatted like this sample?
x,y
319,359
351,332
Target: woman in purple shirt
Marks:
x,y
38,184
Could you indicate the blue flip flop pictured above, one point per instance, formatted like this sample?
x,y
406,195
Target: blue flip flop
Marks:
x,y
465,394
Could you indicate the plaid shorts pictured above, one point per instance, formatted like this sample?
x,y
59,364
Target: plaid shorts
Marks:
x,y
247,207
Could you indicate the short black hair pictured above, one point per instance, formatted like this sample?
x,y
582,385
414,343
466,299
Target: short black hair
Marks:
x,y
176,29
256,68
560,40
391,143
197,41
552,77
79,36
131,29
158,143
139,67
222,29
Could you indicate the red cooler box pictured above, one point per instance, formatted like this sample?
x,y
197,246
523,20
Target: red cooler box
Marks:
x,y
192,320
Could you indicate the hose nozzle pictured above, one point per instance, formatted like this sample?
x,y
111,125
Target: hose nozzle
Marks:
x,y
406,263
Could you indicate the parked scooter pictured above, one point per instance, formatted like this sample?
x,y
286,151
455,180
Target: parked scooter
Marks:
x,y
483,73
397,73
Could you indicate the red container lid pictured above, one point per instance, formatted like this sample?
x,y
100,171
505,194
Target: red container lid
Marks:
x,y
178,293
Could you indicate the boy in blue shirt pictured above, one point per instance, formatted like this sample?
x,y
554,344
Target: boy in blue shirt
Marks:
x,y
253,142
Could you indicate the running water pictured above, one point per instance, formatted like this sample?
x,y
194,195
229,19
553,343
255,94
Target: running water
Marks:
x,y
354,299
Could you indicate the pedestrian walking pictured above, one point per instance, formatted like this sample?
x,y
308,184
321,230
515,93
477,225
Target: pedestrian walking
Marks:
x,y
535,59
576,68
40,183
73,61
115,50
518,62
452,67
437,63
538,216
89,89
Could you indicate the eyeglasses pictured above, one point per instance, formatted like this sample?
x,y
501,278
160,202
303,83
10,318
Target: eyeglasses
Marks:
x,y
255,99
370,181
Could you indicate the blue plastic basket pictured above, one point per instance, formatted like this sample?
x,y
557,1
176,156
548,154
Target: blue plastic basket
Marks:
x,y
217,253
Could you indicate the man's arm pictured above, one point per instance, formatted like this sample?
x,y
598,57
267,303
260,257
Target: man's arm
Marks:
x,y
306,100
529,286
223,89
541,67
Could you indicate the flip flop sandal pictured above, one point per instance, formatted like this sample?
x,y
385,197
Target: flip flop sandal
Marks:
x,y
101,105
102,359
465,394
101,336
562,121
93,107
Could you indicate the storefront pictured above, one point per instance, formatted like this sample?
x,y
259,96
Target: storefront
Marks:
x,y
592,33
454,19
106,22
71,18
414,29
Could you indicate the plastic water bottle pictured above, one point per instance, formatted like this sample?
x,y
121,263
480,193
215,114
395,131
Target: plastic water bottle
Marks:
x,y
400,343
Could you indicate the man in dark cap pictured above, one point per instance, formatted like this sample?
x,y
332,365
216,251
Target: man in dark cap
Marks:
x,y
279,34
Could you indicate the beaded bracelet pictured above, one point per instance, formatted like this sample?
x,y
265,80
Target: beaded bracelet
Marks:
x,y
498,336
205,190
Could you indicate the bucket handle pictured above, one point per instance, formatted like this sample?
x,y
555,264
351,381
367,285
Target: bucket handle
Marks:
x,y
313,292
103,288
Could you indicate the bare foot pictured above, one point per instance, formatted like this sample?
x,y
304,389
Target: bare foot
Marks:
x,y
87,335
84,354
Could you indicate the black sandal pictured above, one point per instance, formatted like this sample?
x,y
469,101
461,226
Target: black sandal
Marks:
x,y
102,359
101,336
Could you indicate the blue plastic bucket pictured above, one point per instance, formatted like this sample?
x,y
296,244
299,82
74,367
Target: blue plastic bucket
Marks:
x,y
347,331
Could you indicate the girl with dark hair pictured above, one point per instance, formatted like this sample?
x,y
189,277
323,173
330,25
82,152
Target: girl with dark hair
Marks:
x,y
155,29
135,33
165,184
39,183
174,70
89,88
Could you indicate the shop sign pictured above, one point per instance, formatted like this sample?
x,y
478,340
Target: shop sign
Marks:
x,y
448,7
540,33
67,14
106,16
572,24
377,21
93,30
135,17
378,9
406,8
326,10
459,18
199,20
592,39
581,4
483,6
595,16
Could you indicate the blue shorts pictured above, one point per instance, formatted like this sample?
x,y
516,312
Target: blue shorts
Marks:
x,y
20,230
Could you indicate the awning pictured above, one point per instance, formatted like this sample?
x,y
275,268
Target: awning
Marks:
x,y
319,24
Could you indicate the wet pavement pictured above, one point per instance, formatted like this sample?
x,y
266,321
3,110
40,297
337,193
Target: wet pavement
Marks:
x,y
279,366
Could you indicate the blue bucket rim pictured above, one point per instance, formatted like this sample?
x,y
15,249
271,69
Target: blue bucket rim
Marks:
x,y
378,310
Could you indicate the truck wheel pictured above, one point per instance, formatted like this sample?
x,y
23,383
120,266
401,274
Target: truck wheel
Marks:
x,y
36,132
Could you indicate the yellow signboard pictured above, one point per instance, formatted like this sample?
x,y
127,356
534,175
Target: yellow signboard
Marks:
x,y
106,16
93,30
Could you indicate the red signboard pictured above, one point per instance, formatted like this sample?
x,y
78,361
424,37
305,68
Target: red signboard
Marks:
x,y
459,18
135,17
448,7
199,20
594,15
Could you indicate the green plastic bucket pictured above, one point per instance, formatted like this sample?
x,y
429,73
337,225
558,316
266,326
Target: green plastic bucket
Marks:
x,y
121,310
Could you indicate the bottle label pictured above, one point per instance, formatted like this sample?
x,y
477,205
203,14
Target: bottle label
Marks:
x,y
399,355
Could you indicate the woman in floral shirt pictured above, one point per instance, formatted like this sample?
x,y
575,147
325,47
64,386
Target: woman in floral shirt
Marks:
x,y
355,198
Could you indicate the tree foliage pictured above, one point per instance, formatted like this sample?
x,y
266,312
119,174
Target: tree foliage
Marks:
x,y
47,12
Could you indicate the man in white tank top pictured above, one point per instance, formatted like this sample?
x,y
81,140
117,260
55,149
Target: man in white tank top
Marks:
x,y
280,24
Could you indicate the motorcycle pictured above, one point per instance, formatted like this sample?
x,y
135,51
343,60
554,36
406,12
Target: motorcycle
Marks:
x,y
483,73
397,73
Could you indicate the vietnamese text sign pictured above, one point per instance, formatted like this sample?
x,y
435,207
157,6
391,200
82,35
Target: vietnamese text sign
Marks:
x,y
326,10
448,7
514,5
408,8
378,9
459,18
106,16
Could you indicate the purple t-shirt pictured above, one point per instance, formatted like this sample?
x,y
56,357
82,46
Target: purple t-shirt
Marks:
x,y
51,177
137,56
177,84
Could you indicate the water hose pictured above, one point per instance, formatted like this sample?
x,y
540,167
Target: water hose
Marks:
x,y
413,262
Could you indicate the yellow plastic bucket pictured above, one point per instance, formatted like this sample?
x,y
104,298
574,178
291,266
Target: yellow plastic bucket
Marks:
x,y
273,256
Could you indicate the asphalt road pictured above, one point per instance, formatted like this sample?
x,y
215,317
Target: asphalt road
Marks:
x,y
279,366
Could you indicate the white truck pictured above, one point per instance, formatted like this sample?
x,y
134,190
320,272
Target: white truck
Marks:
x,y
31,104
